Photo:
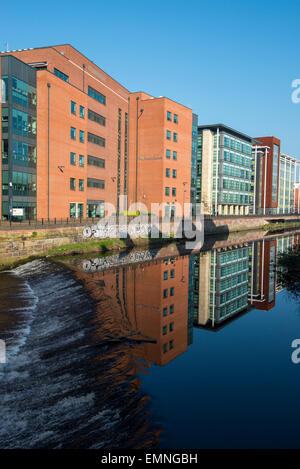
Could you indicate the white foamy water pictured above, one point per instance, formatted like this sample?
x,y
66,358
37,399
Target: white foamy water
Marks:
x,y
59,390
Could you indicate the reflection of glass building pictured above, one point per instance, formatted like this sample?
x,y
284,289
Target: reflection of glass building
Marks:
x,y
18,137
284,244
221,285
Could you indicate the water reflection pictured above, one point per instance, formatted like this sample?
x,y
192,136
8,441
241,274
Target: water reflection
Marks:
x,y
110,372
157,297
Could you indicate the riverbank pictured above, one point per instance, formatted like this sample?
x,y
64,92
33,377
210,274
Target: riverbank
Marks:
x,y
273,227
25,244
83,247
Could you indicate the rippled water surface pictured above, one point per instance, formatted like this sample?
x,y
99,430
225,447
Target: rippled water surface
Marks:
x,y
151,348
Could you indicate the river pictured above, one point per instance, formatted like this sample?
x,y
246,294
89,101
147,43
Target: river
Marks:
x,y
158,348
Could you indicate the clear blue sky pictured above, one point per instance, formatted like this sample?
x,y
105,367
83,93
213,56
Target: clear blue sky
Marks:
x,y
231,61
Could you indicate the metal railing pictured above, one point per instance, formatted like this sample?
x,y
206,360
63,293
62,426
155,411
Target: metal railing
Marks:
x,y
73,222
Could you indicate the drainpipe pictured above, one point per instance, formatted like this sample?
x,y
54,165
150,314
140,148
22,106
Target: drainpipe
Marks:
x,y
49,86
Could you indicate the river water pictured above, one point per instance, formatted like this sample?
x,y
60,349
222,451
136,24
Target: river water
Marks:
x,y
154,348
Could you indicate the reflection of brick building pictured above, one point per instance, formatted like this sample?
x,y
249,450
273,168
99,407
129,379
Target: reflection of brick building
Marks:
x,y
147,301
160,307
262,287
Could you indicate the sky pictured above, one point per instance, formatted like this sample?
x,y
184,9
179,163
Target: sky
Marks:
x,y
231,61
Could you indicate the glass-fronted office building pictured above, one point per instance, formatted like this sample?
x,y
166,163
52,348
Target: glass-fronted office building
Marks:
x,y
287,177
18,138
224,169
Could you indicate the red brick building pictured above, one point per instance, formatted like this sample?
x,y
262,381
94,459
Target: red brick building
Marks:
x,y
81,118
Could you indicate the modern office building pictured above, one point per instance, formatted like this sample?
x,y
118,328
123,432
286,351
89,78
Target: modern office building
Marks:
x,y
297,197
266,155
64,134
287,178
273,178
18,136
224,165
160,149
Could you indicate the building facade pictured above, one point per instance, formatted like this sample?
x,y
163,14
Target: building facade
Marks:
x,y
18,109
297,197
160,149
267,175
76,133
287,178
224,165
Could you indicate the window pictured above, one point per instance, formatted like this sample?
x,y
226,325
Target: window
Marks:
x,y
165,293
72,210
96,140
167,172
275,172
81,136
23,183
80,211
174,155
72,184
175,118
95,117
94,161
171,327
174,173
23,124
81,185
175,138
165,348
96,183
174,191
165,311
169,116
168,154
24,154
172,273
22,93
167,191
81,112
81,161
73,133
172,291
96,95
73,158
73,107
164,330
166,275
61,75
171,309
171,344
168,135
